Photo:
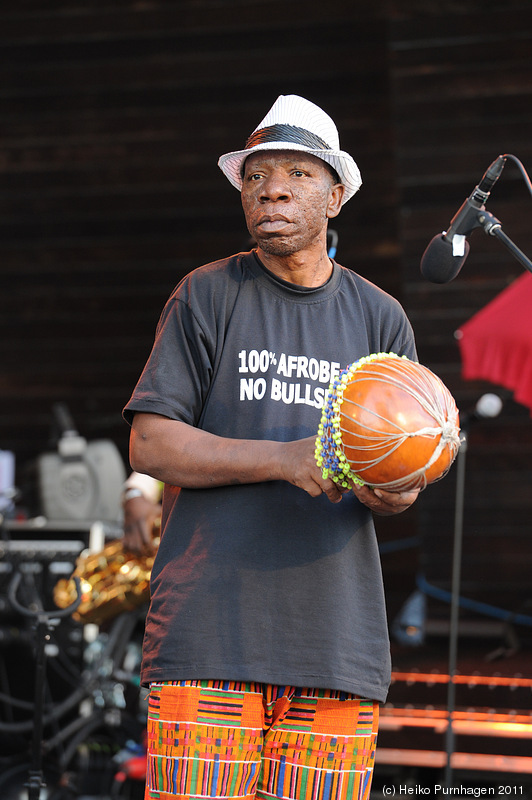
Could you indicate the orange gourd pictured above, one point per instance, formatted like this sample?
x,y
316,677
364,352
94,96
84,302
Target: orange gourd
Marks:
x,y
388,422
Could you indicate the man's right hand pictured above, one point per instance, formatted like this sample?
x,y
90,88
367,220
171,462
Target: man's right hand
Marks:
x,y
300,468
139,517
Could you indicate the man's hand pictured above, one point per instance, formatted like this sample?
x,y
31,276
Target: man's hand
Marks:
x,y
299,467
139,517
181,455
385,503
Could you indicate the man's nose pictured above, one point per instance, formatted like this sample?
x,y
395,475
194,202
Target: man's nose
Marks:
x,y
275,187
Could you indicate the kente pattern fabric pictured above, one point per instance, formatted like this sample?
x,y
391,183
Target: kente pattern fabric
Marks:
x,y
261,582
237,740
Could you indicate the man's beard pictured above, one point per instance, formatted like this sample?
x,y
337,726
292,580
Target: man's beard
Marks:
x,y
278,247
286,245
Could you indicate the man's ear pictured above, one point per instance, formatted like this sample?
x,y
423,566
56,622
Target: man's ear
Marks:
x,y
335,201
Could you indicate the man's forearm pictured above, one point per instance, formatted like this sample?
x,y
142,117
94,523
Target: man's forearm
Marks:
x,y
181,455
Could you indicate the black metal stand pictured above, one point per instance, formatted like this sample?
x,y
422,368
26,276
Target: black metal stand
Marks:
x,y
493,227
455,600
45,622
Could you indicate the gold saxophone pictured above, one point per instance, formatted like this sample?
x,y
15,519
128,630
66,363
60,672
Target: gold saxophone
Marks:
x,y
111,581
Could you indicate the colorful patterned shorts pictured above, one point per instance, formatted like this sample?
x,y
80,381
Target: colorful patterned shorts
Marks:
x,y
223,739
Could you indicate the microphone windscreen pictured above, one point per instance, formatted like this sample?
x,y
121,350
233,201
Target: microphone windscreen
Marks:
x,y
438,264
489,405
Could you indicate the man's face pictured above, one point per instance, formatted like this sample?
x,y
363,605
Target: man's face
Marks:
x,y
287,197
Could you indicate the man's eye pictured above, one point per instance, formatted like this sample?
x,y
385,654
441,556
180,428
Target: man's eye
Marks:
x,y
298,173
255,176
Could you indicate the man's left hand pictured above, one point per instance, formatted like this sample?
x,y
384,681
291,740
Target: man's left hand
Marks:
x,y
385,503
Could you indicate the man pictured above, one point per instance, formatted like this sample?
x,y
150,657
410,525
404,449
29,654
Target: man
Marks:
x,y
141,504
266,645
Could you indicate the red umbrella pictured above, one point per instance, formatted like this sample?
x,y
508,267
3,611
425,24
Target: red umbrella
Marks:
x,y
496,343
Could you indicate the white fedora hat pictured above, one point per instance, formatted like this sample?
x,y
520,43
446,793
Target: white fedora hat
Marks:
x,y
294,123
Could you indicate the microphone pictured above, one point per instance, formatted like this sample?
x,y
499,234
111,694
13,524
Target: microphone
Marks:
x,y
488,406
445,254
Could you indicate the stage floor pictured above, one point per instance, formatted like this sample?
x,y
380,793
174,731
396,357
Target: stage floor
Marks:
x,y
489,743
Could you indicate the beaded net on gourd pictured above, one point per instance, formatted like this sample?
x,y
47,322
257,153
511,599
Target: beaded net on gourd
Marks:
x,y
411,443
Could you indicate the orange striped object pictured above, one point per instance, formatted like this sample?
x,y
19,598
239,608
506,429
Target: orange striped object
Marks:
x,y
224,739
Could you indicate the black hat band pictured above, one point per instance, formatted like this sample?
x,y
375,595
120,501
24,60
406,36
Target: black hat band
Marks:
x,y
289,134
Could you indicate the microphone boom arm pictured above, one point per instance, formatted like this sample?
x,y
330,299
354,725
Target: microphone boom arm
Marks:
x,y
493,227
445,254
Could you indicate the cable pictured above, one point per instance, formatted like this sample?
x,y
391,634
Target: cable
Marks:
x,y
473,605
521,169
399,544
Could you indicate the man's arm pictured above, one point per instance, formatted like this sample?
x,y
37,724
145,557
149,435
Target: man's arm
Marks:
x,y
140,515
181,455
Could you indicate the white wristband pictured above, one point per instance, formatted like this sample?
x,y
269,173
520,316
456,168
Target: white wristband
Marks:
x,y
151,489
129,494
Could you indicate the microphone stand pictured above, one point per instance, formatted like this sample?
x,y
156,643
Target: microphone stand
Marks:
x,y
493,227
44,623
455,598
488,406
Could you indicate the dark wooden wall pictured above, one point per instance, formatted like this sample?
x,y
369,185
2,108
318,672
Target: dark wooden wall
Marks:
x,y
462,95
112,117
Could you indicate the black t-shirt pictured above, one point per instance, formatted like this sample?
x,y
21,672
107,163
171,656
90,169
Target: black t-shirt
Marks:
x,y
261,582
